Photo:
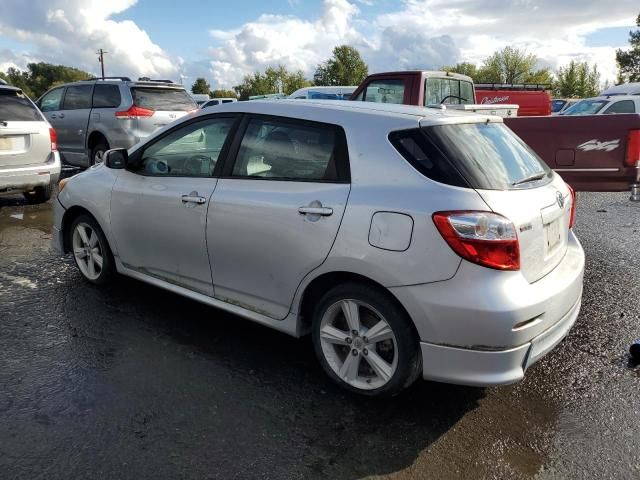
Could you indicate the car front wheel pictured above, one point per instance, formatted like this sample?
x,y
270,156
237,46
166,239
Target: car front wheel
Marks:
x,y
365,341
91,251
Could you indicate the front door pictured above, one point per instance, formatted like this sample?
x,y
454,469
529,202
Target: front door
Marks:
x,y
275,215
73,119
159,204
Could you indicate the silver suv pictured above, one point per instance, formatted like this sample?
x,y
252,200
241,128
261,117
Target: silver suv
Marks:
x,y
29,161
92,116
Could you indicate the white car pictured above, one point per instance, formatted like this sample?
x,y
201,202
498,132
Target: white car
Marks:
x,y
605,105
29,159
323,93
408,241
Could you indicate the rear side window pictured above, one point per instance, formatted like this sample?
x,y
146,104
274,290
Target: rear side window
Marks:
x,y
274,149
624,106
384,91
486,156
78,97
106,96
163,99
448,91
15,106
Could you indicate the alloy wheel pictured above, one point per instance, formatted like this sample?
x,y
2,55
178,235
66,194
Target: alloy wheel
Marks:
x,y
88,251
358,344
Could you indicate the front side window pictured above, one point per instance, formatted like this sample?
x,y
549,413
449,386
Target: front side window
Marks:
x,y
624,106
190,151
51,101
106,96
78,97
383,91
291,151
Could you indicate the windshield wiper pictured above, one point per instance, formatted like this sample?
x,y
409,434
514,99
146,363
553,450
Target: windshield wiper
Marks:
x,y
530,178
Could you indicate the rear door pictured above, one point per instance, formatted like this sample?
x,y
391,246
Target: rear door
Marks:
x,y
159,204
163,105
276,211
73,119
24,135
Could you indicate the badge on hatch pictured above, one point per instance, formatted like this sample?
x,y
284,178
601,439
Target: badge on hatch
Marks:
x,y
560,199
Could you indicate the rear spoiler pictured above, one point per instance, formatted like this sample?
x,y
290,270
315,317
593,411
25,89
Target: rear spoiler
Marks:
x,y
513,86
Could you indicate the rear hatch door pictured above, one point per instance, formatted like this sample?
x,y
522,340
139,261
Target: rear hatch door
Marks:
x,y
167,104
24,134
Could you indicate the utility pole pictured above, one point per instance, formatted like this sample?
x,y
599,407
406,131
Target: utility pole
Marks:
x,y
101,60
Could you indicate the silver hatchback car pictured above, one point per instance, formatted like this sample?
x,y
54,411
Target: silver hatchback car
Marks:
x,y
408,241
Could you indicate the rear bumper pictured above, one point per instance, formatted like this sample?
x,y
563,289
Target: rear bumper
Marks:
x,y
25,179
484,368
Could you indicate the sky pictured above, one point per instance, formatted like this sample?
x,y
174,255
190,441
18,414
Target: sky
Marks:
x,y
186,39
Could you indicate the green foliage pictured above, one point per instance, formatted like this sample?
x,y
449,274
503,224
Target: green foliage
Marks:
x,y
222,94
271,81
345,67
40,77
629,60
577,80
465,68
512,65
200,87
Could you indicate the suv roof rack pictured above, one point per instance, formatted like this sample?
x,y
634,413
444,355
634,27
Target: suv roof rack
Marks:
x,y
147,79
124,79
513,86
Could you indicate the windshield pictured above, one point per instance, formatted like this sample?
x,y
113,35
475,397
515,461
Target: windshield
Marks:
x,y
488,155
16,106
163,99
556,105
586,107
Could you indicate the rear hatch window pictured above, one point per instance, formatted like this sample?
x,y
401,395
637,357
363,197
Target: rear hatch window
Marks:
x,y
15,106
483,156
163,99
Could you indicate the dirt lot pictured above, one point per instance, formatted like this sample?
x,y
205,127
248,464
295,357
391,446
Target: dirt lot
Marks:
x,y
131,382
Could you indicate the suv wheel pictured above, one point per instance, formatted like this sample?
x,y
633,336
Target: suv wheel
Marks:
x,y
91,251
41,194
97,153
364,340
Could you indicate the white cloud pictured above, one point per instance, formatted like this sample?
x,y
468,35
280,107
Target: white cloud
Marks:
x,y
70,32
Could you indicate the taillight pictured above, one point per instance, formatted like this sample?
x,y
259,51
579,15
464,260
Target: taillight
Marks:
x,y
573,206
633,149
53,136
134,112
484,238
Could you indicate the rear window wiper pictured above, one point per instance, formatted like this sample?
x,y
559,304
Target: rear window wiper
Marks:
x,y
530,178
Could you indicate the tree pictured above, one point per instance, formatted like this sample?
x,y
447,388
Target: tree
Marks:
x,y
345,67
40,77
465,68
512,65
221,93
273,80
577,80
629,61
200,87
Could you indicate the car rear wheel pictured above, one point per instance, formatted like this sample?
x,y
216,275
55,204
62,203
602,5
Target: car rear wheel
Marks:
x,y
40,194
97,153
365,341
91,251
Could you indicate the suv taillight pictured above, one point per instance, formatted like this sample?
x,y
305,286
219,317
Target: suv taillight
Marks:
x,y
134,112
53,136
573,206
484,238
633,149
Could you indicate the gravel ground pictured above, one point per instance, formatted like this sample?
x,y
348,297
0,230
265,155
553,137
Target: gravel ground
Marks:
x,y
132,382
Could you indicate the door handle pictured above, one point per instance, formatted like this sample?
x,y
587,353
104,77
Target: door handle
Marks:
x,y
61,115
322,211
53,115
193,199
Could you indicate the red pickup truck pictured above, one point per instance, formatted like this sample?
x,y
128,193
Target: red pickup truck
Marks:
x,y
599,153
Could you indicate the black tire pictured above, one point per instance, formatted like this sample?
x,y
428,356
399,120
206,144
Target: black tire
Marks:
x,y
108,269
41,194
409,364
100,148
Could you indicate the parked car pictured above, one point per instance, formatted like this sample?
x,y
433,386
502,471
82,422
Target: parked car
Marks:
x,y
323,93
409,241
605,105
218,101
29,160
200,98
533,99
559,105
632,88
428,88
92,116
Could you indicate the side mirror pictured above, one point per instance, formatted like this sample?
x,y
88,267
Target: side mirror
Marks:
x,y
116,158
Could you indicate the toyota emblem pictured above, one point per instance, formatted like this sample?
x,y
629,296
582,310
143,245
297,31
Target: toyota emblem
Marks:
x,y
560,199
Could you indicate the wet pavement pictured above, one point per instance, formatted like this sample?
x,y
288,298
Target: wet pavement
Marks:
x,y
132,382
